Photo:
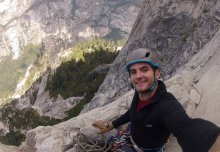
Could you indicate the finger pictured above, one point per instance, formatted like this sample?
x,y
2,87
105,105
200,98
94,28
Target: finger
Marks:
x,y
97,123
94,124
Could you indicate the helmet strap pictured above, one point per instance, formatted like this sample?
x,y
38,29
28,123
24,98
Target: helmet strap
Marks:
x,y
154,84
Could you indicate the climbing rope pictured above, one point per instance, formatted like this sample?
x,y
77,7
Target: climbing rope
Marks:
x,y
83,143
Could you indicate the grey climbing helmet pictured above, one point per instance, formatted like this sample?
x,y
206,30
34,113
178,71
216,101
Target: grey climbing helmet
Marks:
x,y
142,55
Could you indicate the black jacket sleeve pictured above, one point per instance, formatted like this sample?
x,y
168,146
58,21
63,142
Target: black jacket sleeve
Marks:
x,y
123,119
174,116
192,134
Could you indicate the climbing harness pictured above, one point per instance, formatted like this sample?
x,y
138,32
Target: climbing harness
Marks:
x,y
124,138
138,149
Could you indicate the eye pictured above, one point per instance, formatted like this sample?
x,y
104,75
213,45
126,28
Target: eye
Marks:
x,y
132,71
144,69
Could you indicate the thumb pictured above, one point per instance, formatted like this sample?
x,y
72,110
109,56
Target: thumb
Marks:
x,y
98,124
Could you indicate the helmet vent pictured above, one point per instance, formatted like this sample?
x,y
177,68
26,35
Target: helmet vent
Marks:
x,y
147,54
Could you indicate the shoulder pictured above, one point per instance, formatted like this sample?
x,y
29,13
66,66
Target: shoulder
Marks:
x,y
169,103
168,98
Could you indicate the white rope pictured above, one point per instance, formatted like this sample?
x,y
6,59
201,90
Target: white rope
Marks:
x,y
82,143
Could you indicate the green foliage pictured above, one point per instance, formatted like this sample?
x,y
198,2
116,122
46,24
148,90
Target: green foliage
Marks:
x,y
25,119
8,77
94,45
22,120
76,76
13,138
13,70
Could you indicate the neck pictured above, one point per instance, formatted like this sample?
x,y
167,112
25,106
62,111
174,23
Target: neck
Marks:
x,y
147,95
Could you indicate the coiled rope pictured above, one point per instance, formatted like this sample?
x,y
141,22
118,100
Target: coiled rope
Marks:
x,y
83,143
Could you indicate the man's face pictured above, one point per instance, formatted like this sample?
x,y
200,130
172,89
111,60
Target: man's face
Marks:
x,y
142,76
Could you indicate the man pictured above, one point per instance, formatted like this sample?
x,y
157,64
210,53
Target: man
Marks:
x,y
155,113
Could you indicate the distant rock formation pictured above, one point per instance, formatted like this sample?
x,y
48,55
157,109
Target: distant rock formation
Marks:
x,y
40,100
68,20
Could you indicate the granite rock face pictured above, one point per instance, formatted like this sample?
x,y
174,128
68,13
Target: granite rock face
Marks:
x,y
4,148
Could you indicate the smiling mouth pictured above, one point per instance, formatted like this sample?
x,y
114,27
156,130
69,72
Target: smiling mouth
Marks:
x,y
140,82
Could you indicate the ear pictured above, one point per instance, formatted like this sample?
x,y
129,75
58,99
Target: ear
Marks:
x,y
157,74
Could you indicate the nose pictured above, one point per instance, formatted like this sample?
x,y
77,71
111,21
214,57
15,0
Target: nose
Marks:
x,y
139,74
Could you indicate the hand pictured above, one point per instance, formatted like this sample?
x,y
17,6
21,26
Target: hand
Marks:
x,y
104,126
